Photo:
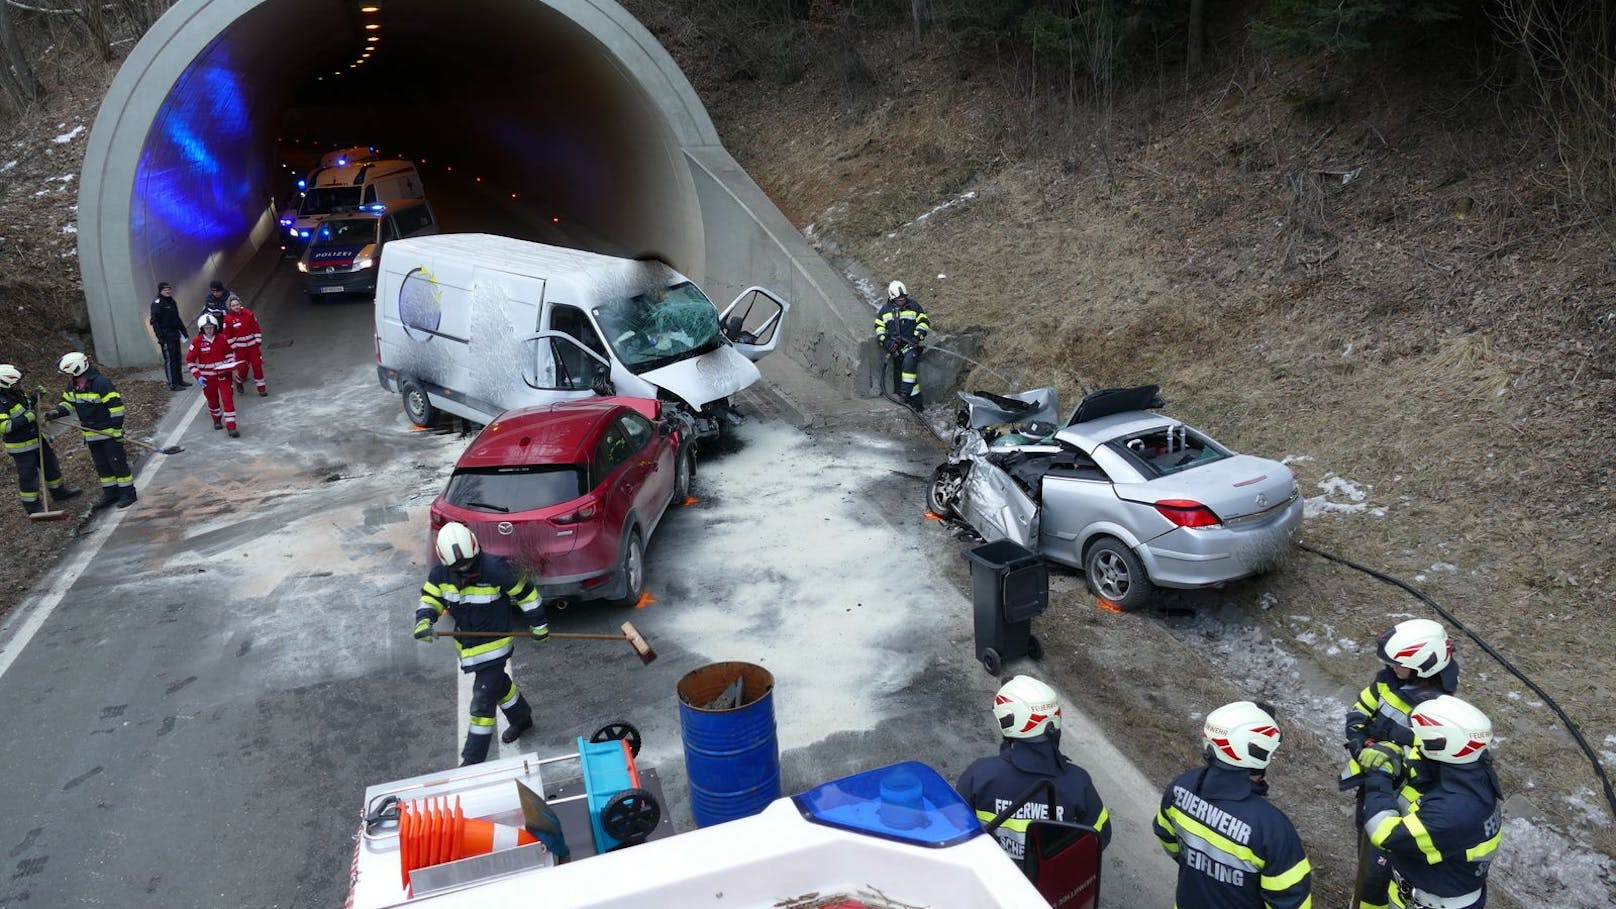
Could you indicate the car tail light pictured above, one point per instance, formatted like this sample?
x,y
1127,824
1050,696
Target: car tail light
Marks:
x,y
583,513
437,520
1187,513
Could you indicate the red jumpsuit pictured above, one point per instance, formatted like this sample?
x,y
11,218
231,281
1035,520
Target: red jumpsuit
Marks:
x,y
247,339
213,364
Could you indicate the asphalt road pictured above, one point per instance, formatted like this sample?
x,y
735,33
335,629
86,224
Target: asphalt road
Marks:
x,y
196,701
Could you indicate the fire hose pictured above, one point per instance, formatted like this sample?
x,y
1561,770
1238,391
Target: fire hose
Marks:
x,y
1422,596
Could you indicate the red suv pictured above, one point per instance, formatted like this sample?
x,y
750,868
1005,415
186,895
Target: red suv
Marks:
x,y
571,492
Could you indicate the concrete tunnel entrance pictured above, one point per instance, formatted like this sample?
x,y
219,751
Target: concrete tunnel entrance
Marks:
x,y
562,121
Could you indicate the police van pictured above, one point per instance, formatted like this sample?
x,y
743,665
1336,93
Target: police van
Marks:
x,y
345,246
354,186
475,324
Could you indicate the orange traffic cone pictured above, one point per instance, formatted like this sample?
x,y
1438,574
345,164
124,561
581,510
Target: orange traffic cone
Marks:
x,y
430,833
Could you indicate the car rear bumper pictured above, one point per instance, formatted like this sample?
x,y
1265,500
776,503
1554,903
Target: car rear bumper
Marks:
x,y
1201,557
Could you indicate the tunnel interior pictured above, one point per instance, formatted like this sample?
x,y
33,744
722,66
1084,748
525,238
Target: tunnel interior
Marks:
x,y
519,119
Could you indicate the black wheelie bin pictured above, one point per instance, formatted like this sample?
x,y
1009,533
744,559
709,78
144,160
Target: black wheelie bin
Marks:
x,y
1009,588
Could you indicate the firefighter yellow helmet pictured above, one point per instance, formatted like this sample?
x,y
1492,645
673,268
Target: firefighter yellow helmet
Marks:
x,y
74,364
1026,708
9,375
1450,730
456,544
1241,734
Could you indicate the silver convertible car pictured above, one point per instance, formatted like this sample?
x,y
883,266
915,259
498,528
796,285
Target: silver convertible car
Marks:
x,y
1134,499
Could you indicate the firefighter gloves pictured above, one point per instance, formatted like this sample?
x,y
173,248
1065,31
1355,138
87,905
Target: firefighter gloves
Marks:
x,y
1383,757
423,631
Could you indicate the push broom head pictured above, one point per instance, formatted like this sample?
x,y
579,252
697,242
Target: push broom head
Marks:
x,y
642,649
58,516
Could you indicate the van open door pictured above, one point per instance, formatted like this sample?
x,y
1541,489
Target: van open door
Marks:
x,y
1062,860
753,320
561,368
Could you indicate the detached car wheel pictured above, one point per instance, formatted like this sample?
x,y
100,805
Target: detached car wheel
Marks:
x,y
1116,574
417,406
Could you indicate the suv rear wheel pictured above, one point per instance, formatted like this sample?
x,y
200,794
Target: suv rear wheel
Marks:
x,y
631,568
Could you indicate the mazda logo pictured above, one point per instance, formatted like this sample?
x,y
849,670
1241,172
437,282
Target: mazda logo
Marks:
x,y
505,527
1261,501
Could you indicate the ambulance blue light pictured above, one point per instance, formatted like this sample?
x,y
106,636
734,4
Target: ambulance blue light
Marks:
x,y
907,802
301,184
302,233
379,206
342,162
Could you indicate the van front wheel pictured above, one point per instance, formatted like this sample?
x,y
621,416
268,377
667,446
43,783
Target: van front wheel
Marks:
x,y
416,404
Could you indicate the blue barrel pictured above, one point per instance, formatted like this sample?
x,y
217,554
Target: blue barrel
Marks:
x,y
732,756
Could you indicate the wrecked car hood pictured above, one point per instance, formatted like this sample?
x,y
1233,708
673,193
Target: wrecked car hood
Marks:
x,y
702,380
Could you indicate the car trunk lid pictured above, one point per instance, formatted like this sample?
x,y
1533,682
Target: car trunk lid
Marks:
x,y
1235,487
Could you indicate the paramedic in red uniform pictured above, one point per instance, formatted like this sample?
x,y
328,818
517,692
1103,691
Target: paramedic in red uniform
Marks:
x,y
246,339
213,364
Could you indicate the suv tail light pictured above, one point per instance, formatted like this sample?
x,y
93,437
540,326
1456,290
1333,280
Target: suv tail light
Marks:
x,y
1187,513
437,520
583,513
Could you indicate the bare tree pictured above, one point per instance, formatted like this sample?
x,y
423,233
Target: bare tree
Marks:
x,y
1197,38
17,75
921,11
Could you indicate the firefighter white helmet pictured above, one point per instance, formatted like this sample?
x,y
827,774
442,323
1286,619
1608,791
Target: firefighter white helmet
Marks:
x,y
896,290
456,544
1242,734
9,375
1026,708
74,364
1450,730
207,319
1419,645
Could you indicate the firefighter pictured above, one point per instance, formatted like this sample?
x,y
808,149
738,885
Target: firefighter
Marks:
x,y
246,339
901,328
169,329
19,426
478,591
1419,666
1234,849
91,397
1029,715
214,365
1441,837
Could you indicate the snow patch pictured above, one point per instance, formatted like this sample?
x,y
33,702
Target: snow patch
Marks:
x,y
1337,488
8,165
70,135
70,229
1295,459
958,200
1540,867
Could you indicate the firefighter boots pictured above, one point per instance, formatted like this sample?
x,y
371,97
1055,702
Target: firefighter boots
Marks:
x,y
515,731
127,497
66,492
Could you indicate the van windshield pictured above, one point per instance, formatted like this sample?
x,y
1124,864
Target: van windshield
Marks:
x,y
653,329
323,200
346,232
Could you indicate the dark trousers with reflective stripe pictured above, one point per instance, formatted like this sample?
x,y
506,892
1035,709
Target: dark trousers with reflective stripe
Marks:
x,y
173,365
906,373
111,464
491,690
28,472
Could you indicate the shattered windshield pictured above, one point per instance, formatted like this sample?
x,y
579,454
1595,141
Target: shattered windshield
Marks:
x,y
323,200
652,329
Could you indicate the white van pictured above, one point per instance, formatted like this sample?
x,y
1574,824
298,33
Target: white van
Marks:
x,y
355,186
474,325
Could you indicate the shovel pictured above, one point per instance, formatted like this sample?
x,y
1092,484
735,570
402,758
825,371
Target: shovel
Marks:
x,y
642,648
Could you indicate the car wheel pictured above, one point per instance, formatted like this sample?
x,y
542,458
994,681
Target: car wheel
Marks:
x,y
943,494
632,570
991,661
416,404
1116,574
684,473
1035,647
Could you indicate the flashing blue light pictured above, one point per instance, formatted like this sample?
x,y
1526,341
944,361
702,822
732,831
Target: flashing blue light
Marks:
x,y
342,162
302,233
907,802
379,206
286,222
302,184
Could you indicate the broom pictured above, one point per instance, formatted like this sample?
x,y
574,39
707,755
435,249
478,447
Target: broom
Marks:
x,y
44,488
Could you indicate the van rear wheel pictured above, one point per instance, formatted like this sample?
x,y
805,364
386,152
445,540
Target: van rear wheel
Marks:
x,y
417,406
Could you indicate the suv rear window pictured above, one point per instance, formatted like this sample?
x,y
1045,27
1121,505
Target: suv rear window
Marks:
x,y
1168,450
507,490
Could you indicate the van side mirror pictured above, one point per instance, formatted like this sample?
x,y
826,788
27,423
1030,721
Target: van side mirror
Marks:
x,y
601,383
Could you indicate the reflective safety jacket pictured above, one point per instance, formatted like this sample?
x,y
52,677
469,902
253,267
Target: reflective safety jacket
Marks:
x,y
1442,842
1382,713
992,784
481,600
209,357
17,425
96,403
1234,849
901,322
241,328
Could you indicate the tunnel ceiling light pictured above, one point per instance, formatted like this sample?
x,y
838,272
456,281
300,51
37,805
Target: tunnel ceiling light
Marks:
x,y
373,26
370,9
374,38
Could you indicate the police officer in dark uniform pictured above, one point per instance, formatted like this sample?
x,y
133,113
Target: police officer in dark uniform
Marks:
x,y
1419,666
1234,849
478,591
901,327
1029,715
19,427
99,408
170,330
217,301
1442,839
